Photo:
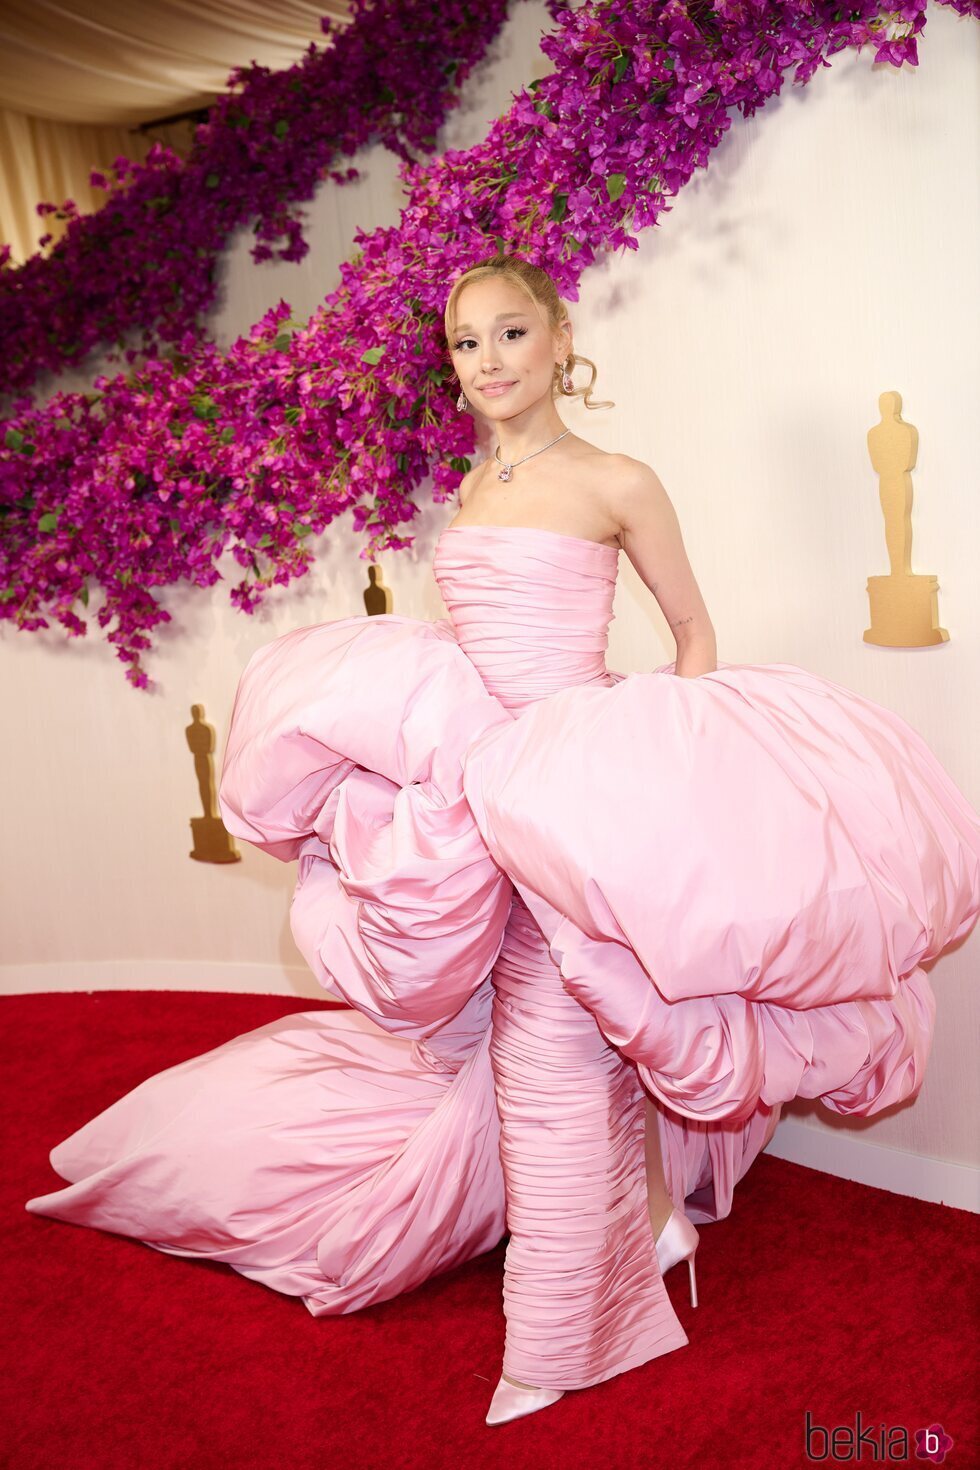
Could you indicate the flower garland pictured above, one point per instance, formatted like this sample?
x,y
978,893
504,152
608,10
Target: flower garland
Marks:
x,y
145,482
146,259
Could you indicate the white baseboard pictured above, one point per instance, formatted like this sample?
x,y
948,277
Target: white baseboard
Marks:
x,y
241,979
852,1157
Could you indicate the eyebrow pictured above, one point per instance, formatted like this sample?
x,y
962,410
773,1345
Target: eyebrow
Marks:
x,y
501,316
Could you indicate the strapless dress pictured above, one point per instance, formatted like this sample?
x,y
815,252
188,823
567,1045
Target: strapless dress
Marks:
x,y
546,890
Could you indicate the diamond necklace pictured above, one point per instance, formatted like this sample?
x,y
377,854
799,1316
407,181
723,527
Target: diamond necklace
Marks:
x,y
508,469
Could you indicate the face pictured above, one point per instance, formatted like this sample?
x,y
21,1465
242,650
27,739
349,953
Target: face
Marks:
x,y
503,351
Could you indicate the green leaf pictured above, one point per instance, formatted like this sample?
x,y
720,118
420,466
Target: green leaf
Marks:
x,y
203,406
212,181
615,184
83,595
281,128
173,523
373,355
282,341
622,62
49,522
14,440
558,207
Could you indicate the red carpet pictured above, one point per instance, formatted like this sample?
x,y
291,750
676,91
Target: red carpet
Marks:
x,y
816,1294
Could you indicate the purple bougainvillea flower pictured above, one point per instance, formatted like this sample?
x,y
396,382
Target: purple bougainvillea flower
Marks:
x,y
148,479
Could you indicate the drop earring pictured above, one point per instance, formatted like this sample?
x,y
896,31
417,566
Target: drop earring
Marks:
x,y
461,401
566,377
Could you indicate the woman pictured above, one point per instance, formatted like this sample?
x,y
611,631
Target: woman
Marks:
x,y
509,341
595,929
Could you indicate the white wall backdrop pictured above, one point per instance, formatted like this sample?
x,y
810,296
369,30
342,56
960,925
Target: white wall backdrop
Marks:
x,y
826,255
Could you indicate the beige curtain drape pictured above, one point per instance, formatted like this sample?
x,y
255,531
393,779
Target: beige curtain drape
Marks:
x,y
48,162
77,77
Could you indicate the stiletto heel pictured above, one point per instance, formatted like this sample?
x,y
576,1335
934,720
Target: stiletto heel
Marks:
x,y
693,1282
511,1402
678,1241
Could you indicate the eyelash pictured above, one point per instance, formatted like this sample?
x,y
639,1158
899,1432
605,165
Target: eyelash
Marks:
x,y
521,332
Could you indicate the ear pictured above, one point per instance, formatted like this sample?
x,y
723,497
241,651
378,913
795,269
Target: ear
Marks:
x,y
563,340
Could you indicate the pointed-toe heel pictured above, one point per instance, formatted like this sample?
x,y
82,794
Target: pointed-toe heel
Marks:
x,y
678,1241
511,1402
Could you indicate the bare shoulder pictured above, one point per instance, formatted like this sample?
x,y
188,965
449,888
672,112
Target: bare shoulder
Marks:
x,y
632,479
467,482
633,489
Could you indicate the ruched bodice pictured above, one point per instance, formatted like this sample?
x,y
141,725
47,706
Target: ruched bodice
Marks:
x,y
531,608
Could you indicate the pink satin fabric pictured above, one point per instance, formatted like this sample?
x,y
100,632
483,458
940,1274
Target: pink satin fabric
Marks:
x,y
583,1294
543,886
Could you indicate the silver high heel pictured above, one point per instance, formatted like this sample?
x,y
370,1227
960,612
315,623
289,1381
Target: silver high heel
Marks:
x,y
511,1402
678,1241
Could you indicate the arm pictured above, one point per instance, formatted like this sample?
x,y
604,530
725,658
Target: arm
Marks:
x,y
651,537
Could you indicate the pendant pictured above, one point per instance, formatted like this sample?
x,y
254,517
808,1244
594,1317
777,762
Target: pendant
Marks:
x,y
506,472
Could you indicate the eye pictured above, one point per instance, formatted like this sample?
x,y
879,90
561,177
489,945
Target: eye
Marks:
x,y
457,346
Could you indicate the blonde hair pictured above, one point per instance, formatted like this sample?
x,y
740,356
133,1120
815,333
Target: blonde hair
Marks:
x,y
536,283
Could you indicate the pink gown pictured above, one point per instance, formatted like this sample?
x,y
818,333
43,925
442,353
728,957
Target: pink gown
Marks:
x,y
545,889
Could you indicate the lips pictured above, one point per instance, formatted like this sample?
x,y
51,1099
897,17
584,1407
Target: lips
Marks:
x,y
495,390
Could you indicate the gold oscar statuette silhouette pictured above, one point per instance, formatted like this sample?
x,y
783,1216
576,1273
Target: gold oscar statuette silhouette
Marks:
x,y
904,606
377,597
213,843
